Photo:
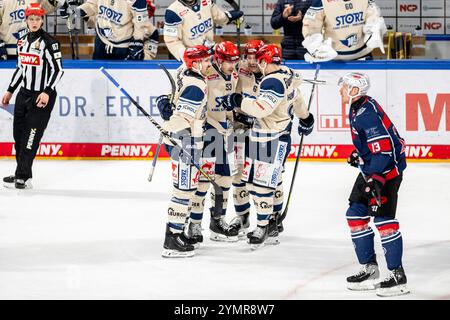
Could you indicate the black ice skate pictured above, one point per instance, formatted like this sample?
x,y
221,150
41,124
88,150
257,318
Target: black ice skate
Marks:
x,y
394,285
23,184
366,278
221,231
258,237
9,181
194,233
279,223
273,232
241,223
176,245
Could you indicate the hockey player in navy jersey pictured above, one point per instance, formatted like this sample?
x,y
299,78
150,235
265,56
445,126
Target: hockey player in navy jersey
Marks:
x,y
380,156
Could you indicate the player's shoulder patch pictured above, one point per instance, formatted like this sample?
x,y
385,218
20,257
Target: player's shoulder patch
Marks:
x,y
272,84
171,18
138,5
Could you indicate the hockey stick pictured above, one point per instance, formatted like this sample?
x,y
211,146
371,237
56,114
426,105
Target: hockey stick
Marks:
x,y
166,134
283,215
235,6
158,148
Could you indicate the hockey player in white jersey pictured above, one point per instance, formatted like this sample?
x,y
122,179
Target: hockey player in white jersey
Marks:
x,y
279,98
248,85
185,118
191,22
13,25
218,158
121,28
342,30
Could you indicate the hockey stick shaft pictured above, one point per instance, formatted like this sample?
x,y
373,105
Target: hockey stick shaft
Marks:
x,y
283,216
217,189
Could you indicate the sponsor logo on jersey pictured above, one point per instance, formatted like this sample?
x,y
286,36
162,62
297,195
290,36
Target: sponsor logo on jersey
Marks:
x,y
173,213
350,19
201,28
275,177
182,13
29,59
17,16
184,178
110,14
281,152
350,41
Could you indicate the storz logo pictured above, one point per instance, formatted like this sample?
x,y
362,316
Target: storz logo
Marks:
x,y
17,16
201,28
110,14
349,19
184,178
350,41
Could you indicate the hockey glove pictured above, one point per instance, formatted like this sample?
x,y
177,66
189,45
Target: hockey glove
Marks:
x,y
234,15
305,126
374,185
3,53
319,50
135,50
353,159
244,119
232,101
165,107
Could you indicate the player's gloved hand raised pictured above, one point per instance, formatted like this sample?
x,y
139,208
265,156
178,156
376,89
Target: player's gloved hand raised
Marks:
x,y
305,126
374,185
135,50
165,107
353,159
3,53
234,15
232,101
244,119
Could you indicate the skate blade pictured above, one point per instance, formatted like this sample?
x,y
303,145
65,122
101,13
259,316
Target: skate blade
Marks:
x,y
394,291
272,241
363,286
9,185
28,186
221,238
254,246
167,253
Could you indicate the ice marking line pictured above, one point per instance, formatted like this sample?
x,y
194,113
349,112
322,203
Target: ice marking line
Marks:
x,y
302,285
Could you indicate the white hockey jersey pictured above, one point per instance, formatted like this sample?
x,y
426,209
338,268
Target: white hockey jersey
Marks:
x,y
278,99
12,20
119,21
343,22
219,86
186,27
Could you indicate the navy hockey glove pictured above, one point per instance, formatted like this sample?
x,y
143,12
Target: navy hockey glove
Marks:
x,y
234,15
353,159
135,50
244,119
165,107
3,53
232,101
305,126
374,185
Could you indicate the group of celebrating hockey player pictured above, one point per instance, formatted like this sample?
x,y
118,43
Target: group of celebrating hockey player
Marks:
x,y
231,118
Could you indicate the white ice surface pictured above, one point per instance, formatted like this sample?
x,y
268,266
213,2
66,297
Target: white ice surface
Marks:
x,y
95,229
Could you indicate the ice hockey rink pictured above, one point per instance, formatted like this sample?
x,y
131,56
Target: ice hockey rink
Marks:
x,y
95,229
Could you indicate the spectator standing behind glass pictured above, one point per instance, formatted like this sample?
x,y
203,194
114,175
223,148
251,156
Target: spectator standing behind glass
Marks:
x,y
288,14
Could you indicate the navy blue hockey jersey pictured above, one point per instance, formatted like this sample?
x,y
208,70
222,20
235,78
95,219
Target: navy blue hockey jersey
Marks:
x,y
376,139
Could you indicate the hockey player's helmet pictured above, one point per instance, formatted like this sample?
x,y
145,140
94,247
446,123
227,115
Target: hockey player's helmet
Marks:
x,y
269,53
226,51
356,80
253,46
195,53
34,9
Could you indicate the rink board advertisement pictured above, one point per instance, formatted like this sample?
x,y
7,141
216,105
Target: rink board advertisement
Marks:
x,y
93,120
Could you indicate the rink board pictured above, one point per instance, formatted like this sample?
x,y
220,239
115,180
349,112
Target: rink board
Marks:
x,y
92,120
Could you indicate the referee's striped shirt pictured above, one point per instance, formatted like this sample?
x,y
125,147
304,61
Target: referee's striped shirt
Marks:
x,y
39,63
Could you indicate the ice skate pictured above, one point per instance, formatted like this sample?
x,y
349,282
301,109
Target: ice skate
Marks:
x,y
194,233
394,284
273,232
9,181
365,279
258,237
176,245
23,184
241,223
221,231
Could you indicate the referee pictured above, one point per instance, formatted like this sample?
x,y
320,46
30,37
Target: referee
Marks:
x,y
38,70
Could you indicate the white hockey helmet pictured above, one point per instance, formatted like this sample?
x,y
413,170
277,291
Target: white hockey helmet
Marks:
x,y
356,80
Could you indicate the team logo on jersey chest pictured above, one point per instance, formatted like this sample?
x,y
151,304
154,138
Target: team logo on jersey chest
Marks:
x,y
29,59
350,41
